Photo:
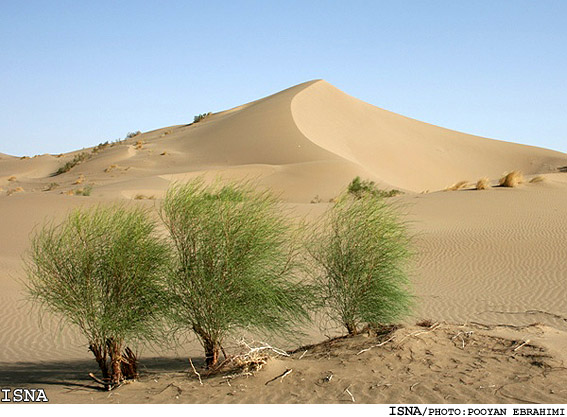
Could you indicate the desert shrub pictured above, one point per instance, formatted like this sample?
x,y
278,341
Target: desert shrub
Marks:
x,y
483,184
537,179
12,178
77,159
358,188
458,186
100,147
512,179
85,191
100,270
131,135
359,250
14,190
236,260
51,186
201,116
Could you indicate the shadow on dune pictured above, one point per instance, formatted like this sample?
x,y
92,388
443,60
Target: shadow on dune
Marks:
x,y
76,373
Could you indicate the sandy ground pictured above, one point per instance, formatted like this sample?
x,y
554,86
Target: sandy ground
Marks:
x,y
496,257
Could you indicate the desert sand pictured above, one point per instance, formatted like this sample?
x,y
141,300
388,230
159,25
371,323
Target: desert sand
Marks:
x,y
488,263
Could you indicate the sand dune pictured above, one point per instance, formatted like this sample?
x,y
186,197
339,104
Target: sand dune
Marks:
x,y
495,257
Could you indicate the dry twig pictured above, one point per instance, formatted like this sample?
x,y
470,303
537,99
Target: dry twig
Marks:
x,y
282,376
195,371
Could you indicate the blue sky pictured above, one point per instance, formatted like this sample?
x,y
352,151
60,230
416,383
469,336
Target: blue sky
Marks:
x,y
76,73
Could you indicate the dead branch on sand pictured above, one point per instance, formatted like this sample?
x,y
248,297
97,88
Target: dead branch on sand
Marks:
x,y
195,371
282,376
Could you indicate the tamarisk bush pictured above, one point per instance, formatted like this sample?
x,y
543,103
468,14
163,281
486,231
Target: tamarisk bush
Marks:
x,y
101,270
359,250
236,260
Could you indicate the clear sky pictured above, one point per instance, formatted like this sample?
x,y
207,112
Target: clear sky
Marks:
x,y
76,73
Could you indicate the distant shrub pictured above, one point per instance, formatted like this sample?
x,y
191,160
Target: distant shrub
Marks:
x,y
144,197
139,144
51,186
537,179
77,159
100,147
358,188
316,200
200,117
131,135
512,179
483,184
79,180
359,252
562,169
86,191
458,186
12,178
14,190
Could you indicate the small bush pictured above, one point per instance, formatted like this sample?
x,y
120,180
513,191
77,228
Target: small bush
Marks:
x,y
86,191
51,186
201,117
512,179
236,258
100,270
77,159
537,179
100,147
131,135
144,197
110,168
139,144
12,178
358,188
458,186
79,180
359,251
483,184
14,190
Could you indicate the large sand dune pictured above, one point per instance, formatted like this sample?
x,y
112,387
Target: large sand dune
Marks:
x,y
495,257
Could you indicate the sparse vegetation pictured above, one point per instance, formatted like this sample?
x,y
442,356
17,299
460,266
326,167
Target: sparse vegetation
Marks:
x,y
236,258
139,144
85,191
77,159
483,184
100,147
100,270
201,117
358,188
512,179
359,252
131,135
458,186
316,200
51,186
14,190
79,180
12,178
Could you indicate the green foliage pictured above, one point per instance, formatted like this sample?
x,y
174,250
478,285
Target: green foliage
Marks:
x,y
77,159
85,191
100,270
360,250
236,258
200,117
358,188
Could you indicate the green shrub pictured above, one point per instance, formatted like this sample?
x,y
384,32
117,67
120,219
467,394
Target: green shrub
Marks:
x,y
359,250
236,261
200,117
86,191
358,188
100,270
77,159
